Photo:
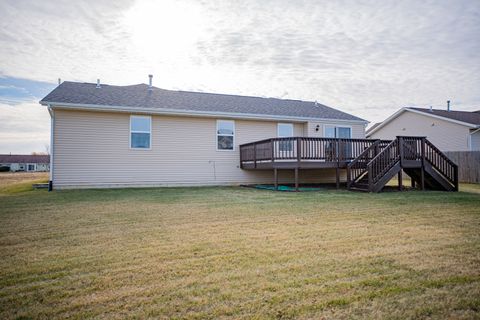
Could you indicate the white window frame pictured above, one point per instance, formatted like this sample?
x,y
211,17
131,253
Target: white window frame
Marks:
x,y
285,123
131,131
223,135
335,127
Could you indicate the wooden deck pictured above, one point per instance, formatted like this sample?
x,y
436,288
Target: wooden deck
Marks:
x,y
301,152
369,163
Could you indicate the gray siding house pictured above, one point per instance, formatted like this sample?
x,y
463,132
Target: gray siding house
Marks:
x,y
139,135
25,162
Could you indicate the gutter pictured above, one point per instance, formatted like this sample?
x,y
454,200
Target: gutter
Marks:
x,y
52,126
179,112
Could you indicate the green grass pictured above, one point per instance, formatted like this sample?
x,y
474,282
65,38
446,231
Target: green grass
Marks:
x,y
239,253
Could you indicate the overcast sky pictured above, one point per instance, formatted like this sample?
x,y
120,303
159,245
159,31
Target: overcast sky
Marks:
x,y
368,58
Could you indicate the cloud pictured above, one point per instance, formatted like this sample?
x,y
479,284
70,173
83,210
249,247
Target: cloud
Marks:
x,y
25,127
365,57
14,91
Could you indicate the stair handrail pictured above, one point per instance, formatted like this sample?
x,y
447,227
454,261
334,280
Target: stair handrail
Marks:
x,y
380,164
442,163
362,156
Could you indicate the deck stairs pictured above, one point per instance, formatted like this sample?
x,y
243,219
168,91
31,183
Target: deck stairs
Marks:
x,y
417,157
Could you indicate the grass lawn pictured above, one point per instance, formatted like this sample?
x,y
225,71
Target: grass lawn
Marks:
x,y
238,253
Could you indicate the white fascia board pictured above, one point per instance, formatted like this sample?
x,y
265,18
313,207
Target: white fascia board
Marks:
x,y
212,114
444,118
393,116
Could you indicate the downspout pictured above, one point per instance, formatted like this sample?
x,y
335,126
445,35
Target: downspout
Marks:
x,y
52,126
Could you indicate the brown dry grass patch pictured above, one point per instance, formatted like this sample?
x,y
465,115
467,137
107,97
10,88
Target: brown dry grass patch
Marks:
x,y
240,253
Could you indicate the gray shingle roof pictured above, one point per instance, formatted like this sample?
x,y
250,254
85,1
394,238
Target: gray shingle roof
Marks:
x,y
472,117
24,158
138,96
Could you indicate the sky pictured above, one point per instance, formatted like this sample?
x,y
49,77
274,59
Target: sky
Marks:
x,y
368,58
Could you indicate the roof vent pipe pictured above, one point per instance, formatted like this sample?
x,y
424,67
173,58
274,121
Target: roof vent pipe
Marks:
x,y
59,81
150,76
98,84
431,109
448,105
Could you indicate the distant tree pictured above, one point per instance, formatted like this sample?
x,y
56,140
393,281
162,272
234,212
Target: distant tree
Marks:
x,y
47,148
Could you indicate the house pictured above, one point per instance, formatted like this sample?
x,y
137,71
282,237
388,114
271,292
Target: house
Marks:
x,y
140,135
447,129
25,162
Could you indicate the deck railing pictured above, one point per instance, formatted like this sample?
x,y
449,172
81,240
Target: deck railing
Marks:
x,y
441,163
303,149
383,162
358,167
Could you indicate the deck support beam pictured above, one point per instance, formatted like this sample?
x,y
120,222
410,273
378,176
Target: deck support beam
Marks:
x,y
275,178
422,178
412,183
296,179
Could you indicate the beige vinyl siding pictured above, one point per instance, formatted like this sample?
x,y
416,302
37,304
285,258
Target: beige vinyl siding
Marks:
x,y
91,149
475,141
358,130
446,135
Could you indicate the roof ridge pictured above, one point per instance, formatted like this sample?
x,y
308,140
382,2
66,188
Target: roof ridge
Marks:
x,y
136,96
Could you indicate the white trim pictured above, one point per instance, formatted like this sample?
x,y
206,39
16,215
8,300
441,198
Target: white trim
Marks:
x,y
285,123
149,132
396,114
195,113
52,141
225,135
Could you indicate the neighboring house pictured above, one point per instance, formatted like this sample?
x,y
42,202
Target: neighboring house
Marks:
x,y
23,162
448,130
140,135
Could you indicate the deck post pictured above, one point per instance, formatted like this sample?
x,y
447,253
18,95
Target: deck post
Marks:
x,y
455,177
299,150
255,155
337,177
296,179
275,178
412,182
422,175
272,145
400,180
400,150
370,179
337,169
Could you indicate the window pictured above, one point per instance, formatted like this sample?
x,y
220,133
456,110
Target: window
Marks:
x,y
225,135
140,132
31,167
338,132
285,130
